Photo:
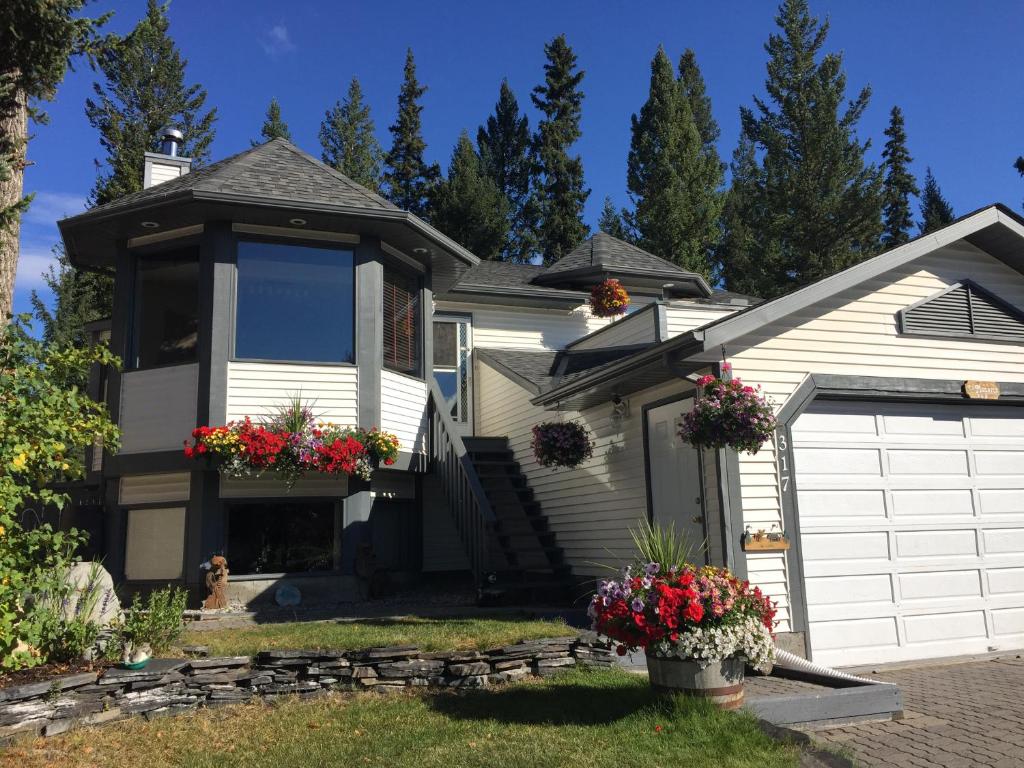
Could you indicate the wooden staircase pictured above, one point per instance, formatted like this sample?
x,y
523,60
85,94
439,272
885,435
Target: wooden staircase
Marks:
x,y
526,563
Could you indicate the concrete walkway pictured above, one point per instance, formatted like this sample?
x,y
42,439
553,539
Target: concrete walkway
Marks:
x,y
957,715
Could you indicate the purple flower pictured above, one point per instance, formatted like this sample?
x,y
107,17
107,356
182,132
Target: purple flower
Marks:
x,y
651,569
637,605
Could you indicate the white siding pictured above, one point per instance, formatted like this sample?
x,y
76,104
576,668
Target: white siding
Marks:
x,y
403,409
259,389
270,486
158,408
681,316
592,508
855,333
637,328
147,489
526,328
161,172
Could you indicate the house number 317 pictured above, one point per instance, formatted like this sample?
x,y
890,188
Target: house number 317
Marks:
x,y
782,459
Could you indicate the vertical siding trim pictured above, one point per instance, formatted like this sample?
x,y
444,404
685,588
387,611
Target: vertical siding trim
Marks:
x,y
369,292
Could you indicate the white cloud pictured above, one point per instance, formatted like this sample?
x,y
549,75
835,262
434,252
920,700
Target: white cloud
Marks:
x,y
49,207
277,41
32,263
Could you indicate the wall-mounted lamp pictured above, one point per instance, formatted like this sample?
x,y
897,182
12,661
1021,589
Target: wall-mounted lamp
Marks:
x,y
620,407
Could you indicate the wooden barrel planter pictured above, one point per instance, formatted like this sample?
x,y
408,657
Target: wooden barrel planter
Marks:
x,y
721,682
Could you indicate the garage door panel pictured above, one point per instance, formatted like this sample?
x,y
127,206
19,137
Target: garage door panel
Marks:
x,y
932,586
925,558
870,545
840,506
918,544
932,503
927,462
1000,463
840,461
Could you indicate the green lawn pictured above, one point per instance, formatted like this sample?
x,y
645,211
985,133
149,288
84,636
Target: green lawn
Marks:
x,y
429,634
580,719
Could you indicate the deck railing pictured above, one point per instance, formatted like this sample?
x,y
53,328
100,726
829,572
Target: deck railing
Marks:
x,y
450,462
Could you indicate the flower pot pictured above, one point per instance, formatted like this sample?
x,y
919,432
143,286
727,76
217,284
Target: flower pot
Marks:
x,y
721,682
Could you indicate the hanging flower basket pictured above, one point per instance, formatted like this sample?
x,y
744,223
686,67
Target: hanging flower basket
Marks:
x,y
292,443
562,444
728,414
609,299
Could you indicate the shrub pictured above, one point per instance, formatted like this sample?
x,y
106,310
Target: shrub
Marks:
x,y
71,630
156,622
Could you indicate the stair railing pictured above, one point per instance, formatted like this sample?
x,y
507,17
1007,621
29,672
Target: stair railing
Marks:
x,y
471,511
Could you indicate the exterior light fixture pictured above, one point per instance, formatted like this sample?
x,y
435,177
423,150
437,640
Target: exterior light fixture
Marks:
x,y
297,222
149,224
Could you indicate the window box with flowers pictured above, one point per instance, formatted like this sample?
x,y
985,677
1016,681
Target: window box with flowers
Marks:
x,y
699,626
562,444
609,299
291,443
728,414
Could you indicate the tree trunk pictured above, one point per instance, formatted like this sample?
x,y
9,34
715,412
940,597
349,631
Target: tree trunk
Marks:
x,y
14,134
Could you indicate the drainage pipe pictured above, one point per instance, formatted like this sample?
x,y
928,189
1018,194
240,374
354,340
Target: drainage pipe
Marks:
x,y
788,660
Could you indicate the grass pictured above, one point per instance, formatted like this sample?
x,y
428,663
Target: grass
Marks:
x,y
579,719
428,634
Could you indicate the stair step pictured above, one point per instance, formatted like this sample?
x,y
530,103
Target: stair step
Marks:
x,y
478,442
522,525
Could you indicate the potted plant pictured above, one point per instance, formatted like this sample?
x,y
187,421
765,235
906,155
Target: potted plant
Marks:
x,y
609,299
562,444
698,625
728,414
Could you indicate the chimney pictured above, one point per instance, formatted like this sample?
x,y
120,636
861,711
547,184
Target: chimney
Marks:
x,y
165,165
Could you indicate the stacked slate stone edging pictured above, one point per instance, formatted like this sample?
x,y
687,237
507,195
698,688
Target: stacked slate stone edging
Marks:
x,y
169,686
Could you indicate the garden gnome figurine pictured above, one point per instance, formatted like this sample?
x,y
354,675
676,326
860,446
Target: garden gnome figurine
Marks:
x,y
217,583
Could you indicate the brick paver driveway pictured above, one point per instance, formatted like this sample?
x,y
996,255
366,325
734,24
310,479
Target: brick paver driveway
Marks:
x,y
957,716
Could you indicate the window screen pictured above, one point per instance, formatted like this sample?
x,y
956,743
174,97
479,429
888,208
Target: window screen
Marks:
x,y
401,322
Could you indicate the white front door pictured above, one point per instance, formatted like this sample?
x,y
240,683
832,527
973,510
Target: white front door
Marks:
x,y
676,487
911,529
453,367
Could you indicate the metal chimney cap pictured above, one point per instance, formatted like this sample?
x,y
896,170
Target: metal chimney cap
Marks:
x,y
170,140
170,132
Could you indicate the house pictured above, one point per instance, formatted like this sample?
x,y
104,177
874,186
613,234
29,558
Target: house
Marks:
x,y
897,471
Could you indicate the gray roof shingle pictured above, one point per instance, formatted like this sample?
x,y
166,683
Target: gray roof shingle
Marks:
x,y
277,170
603,250
543,370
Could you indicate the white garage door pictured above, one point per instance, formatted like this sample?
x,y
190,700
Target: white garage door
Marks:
x,y
912,529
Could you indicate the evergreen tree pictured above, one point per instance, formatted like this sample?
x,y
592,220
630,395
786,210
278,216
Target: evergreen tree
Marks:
x,y
504,145
273,126
899,183
815,206
38,39
936,212
611,221
348,139
469,207
409,180
144,91
673,174
691,81
559,184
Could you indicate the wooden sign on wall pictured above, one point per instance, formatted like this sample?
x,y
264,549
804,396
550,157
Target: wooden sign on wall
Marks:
x,y
981,390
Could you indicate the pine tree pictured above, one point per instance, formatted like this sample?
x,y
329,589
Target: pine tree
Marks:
x,y
673,174
409,180
559,186
38,39
273,126
936,212
691,81
469,207
144,91
899,183
348,139
504,145
815,206
611,221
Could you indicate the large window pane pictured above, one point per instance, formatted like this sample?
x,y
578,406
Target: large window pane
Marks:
x,y
401,322
166,310
294,302
287,537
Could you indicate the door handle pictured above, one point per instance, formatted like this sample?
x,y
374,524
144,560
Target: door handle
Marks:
x,y
698,519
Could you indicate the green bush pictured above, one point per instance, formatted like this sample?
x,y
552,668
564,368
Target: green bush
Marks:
x,y
69,631
156,622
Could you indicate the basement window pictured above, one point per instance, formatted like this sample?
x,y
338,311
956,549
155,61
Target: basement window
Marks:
x,y
964,310
282,537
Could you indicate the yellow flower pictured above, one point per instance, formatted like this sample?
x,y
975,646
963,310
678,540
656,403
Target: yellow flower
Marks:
x,y
2,532
20,460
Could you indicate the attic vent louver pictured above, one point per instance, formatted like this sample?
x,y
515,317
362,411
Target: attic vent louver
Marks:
x,y
964,310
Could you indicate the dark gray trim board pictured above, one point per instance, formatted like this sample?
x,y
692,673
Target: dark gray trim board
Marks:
x,y
369,330
852,388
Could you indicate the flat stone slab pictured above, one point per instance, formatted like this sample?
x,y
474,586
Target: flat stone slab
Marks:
x,y
156,669
44,687
388,652
213,662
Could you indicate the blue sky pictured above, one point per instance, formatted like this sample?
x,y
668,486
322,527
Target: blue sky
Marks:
x,y
954,66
